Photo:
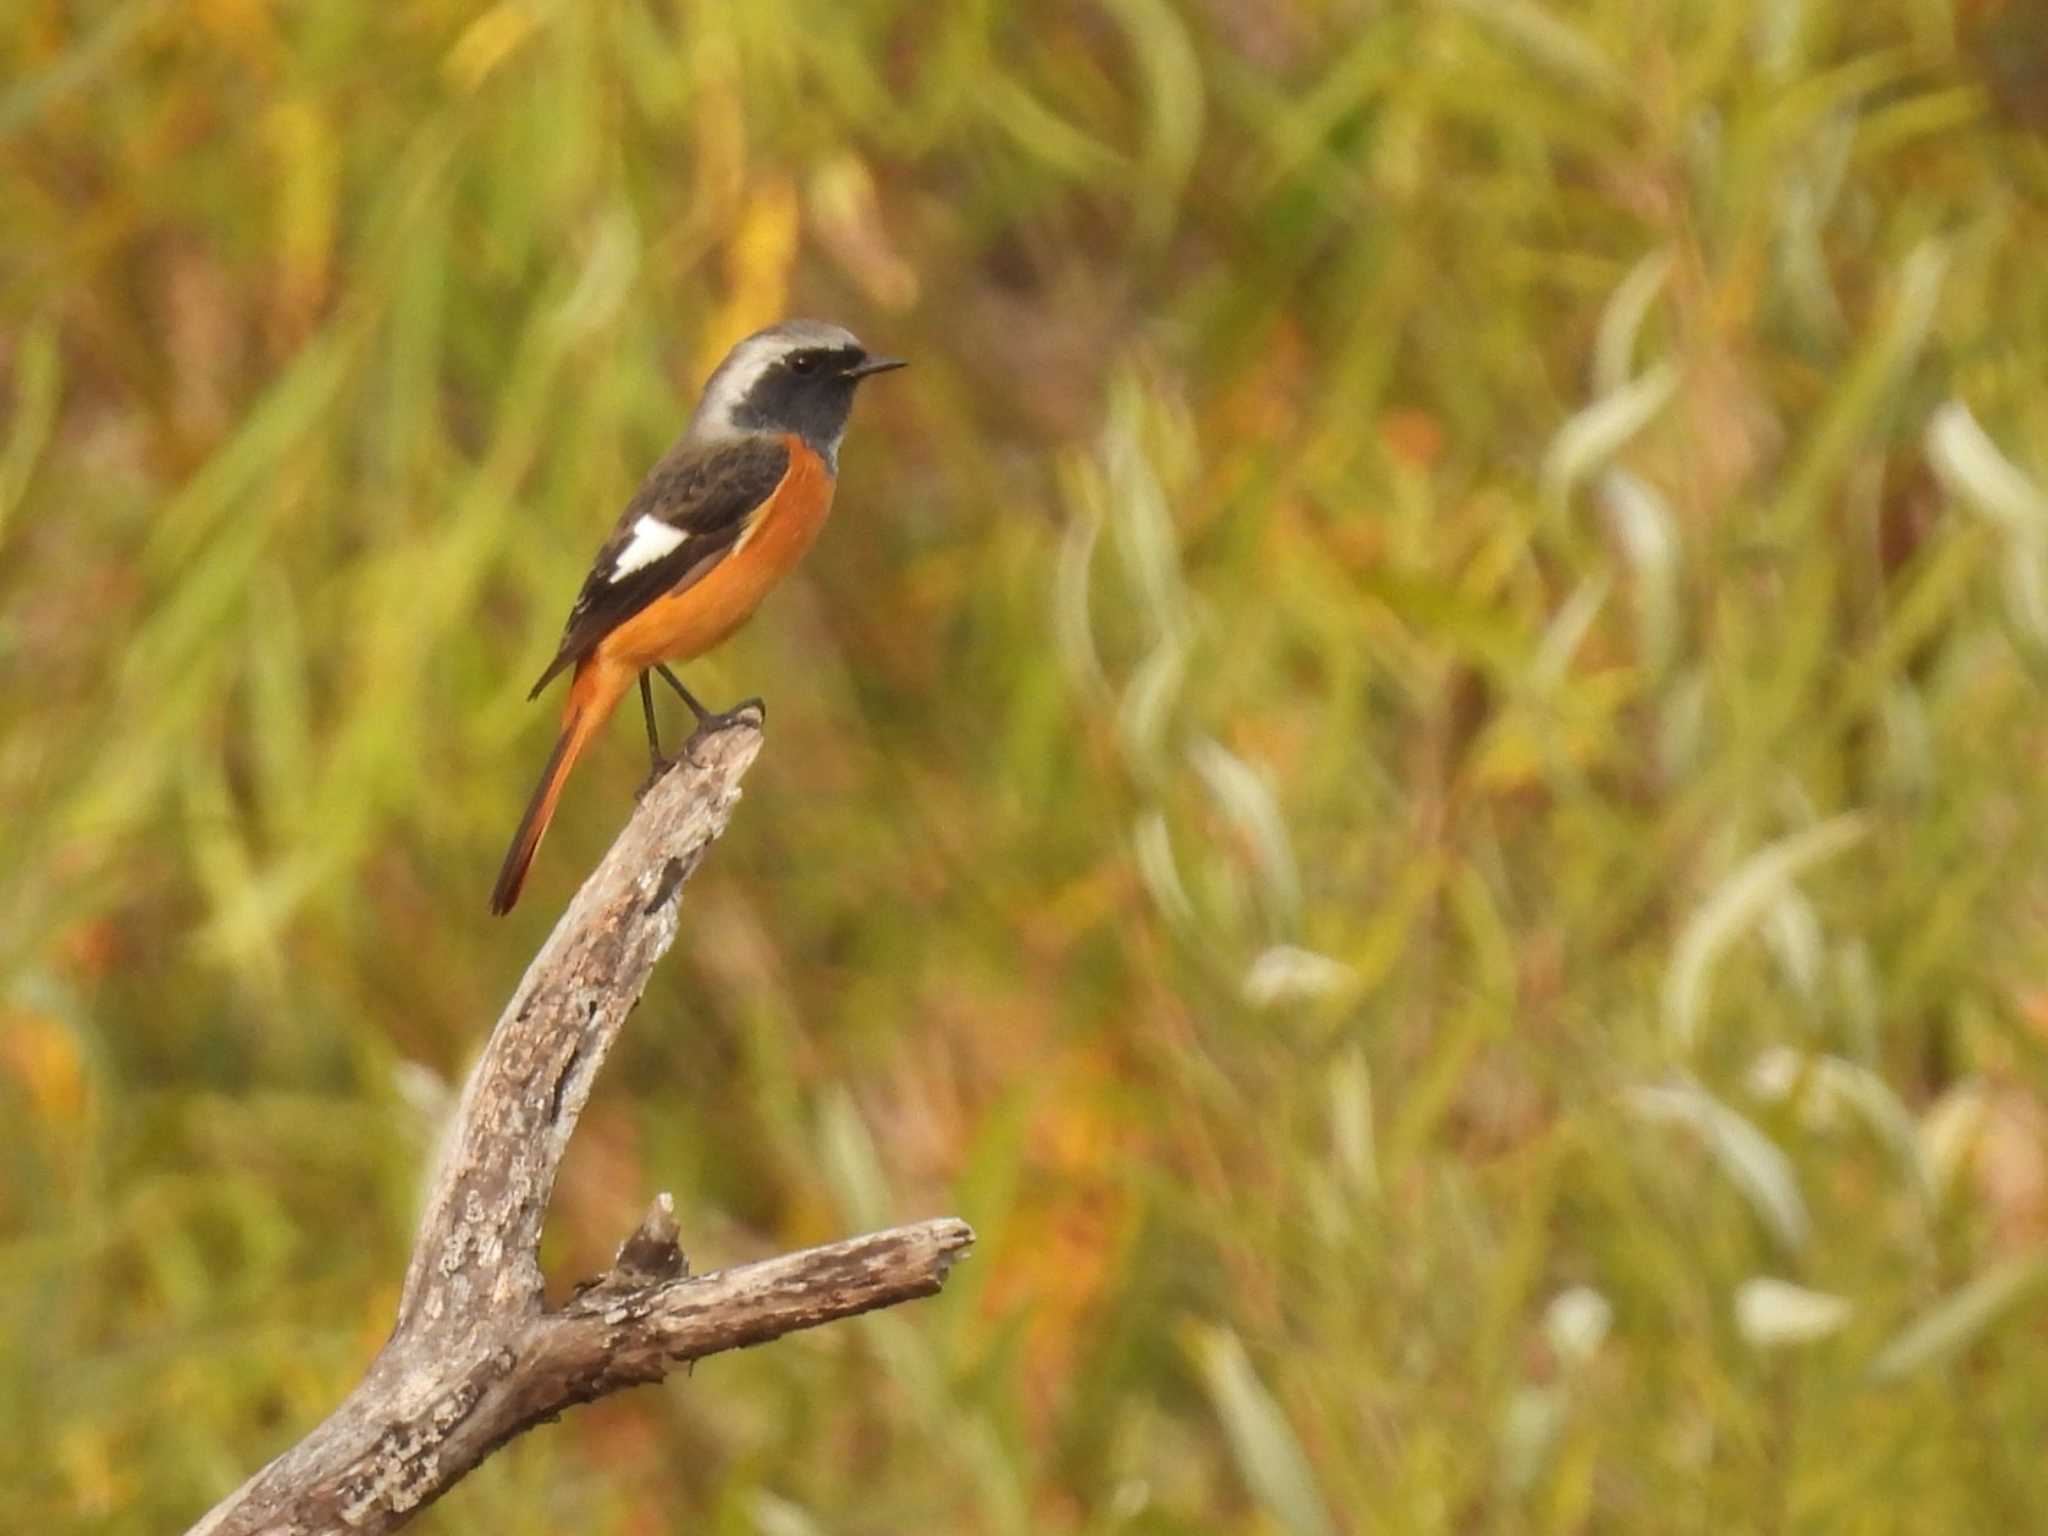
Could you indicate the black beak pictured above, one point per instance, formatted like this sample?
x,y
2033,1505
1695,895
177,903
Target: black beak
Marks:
x,y
868,365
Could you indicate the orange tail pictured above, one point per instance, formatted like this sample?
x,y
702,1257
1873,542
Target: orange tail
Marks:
x,y
590,705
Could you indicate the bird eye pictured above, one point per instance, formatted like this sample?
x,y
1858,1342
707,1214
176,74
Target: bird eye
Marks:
x,y
803,362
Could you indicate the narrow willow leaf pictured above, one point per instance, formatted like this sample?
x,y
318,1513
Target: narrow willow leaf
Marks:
x,y
1548,40
1043,134
1749,1158
605,280
1856,405
1771,1313
1949,1130
1242,796
1793,933
1970,466
2023,573
1808,202
37,386
1152,844
1147,707
1647,529
292,407
1287,973
1960,1319
1171,73
1269,1457
1739,903
1073,627
1351,1122
1567,632
1584,444
776,1516
1622,320
1140,515
1528,1435
1834,1084
847,1157
1973,469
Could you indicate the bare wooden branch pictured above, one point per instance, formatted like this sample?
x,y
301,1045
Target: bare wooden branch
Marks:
x,y
476,1356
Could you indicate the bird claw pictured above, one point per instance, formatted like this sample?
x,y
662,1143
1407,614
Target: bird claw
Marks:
x,y
747,712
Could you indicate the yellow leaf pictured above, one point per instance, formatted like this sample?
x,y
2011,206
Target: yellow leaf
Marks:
x,y
487,43
757,265
307,168
41,1054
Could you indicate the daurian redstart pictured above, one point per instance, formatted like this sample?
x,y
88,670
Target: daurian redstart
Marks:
x,y
724,516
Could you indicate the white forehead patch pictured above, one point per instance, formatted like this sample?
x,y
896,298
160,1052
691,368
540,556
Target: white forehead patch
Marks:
x,y
652,539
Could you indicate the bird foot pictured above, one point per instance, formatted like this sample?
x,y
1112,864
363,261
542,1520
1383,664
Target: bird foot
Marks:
x,y
747,712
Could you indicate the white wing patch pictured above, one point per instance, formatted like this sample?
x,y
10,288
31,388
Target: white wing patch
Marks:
x,y
652,539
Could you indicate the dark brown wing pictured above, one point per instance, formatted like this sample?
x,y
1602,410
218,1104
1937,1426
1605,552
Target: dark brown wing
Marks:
x,y
687,515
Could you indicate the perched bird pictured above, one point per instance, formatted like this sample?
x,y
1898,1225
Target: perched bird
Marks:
x,y
724,516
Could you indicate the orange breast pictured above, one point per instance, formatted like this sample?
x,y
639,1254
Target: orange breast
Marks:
x,y
689,623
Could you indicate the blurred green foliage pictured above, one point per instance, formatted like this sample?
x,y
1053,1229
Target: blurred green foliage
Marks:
x,y
1414,769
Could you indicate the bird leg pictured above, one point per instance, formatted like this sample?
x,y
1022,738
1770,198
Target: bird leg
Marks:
x,y
657,764
653,739
707,721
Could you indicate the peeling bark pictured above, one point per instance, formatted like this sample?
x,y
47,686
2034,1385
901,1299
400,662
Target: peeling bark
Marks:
x,y
476,1356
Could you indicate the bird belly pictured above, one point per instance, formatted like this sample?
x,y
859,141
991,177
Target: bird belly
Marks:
x,y
690,622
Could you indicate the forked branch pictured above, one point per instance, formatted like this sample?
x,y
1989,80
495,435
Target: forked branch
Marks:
x,y
476,1355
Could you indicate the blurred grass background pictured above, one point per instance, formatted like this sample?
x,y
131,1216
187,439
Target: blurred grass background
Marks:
x,y
1413,769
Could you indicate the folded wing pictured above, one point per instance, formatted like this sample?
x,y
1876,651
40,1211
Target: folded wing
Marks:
x,y
691,512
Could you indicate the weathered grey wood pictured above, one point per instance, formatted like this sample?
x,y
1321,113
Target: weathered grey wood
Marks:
x,y
476,1356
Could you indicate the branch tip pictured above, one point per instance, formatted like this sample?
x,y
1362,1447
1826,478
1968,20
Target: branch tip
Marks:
x,y
654,1251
